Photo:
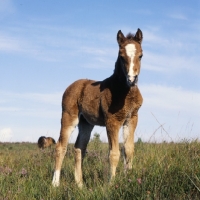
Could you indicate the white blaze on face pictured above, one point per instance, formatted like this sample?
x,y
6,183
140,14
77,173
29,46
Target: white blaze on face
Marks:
x,y
130,52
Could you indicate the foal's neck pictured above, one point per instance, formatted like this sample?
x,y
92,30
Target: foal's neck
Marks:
x,y
119,74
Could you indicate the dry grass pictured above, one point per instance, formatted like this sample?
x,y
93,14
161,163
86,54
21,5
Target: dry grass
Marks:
x,y
160,171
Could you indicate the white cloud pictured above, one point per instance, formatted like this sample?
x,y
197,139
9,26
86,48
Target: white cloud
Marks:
x,y
9,109
49,98
179,16
47,46
53,98
9,44
5,135
175,108
167,63
31,104
152,36
170,53
171,98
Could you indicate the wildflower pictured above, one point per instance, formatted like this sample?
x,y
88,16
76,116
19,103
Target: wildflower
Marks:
x,y
5,170
129,180
148,192
116,186
23,172
139,180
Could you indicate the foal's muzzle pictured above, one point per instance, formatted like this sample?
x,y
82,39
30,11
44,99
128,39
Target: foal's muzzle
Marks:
x,y
132,80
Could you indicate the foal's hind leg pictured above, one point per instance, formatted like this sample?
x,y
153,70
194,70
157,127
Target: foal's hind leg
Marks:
x,y
113,139
128,149
68,124
80,147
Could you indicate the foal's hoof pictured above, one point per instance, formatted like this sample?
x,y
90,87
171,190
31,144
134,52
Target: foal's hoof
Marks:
x,y
80,185
55,183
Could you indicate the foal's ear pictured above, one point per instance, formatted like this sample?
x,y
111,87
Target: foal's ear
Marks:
x,y
139,36
120,37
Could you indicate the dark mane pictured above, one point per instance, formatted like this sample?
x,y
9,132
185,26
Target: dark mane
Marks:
x,y
130,36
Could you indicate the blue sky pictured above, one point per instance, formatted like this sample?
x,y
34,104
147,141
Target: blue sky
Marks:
x,y
46,45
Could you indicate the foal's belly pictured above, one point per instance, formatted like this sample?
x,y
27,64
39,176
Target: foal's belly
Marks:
x,y
94,119
91,111
90,106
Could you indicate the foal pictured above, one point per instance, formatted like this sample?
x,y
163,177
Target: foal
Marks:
x,y
44,142
113,102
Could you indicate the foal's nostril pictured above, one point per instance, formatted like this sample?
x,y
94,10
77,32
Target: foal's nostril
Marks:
x,y
132,80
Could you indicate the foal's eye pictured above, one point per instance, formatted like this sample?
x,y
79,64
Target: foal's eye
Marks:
x,y
140,57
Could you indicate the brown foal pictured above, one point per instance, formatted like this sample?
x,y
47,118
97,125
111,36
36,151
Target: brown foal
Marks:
x,y
113,102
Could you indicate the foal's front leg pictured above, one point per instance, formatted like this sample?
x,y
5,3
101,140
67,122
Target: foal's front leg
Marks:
x,y
128,133
113,139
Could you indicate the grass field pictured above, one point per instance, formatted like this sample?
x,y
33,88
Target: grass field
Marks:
x,y
160,171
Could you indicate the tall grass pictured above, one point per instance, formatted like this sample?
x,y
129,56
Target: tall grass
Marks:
x,y
160,171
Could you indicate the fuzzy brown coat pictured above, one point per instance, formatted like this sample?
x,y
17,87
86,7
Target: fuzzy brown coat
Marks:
x,y
113,102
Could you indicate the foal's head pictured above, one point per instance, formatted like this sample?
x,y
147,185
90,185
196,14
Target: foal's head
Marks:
x,y
130,54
